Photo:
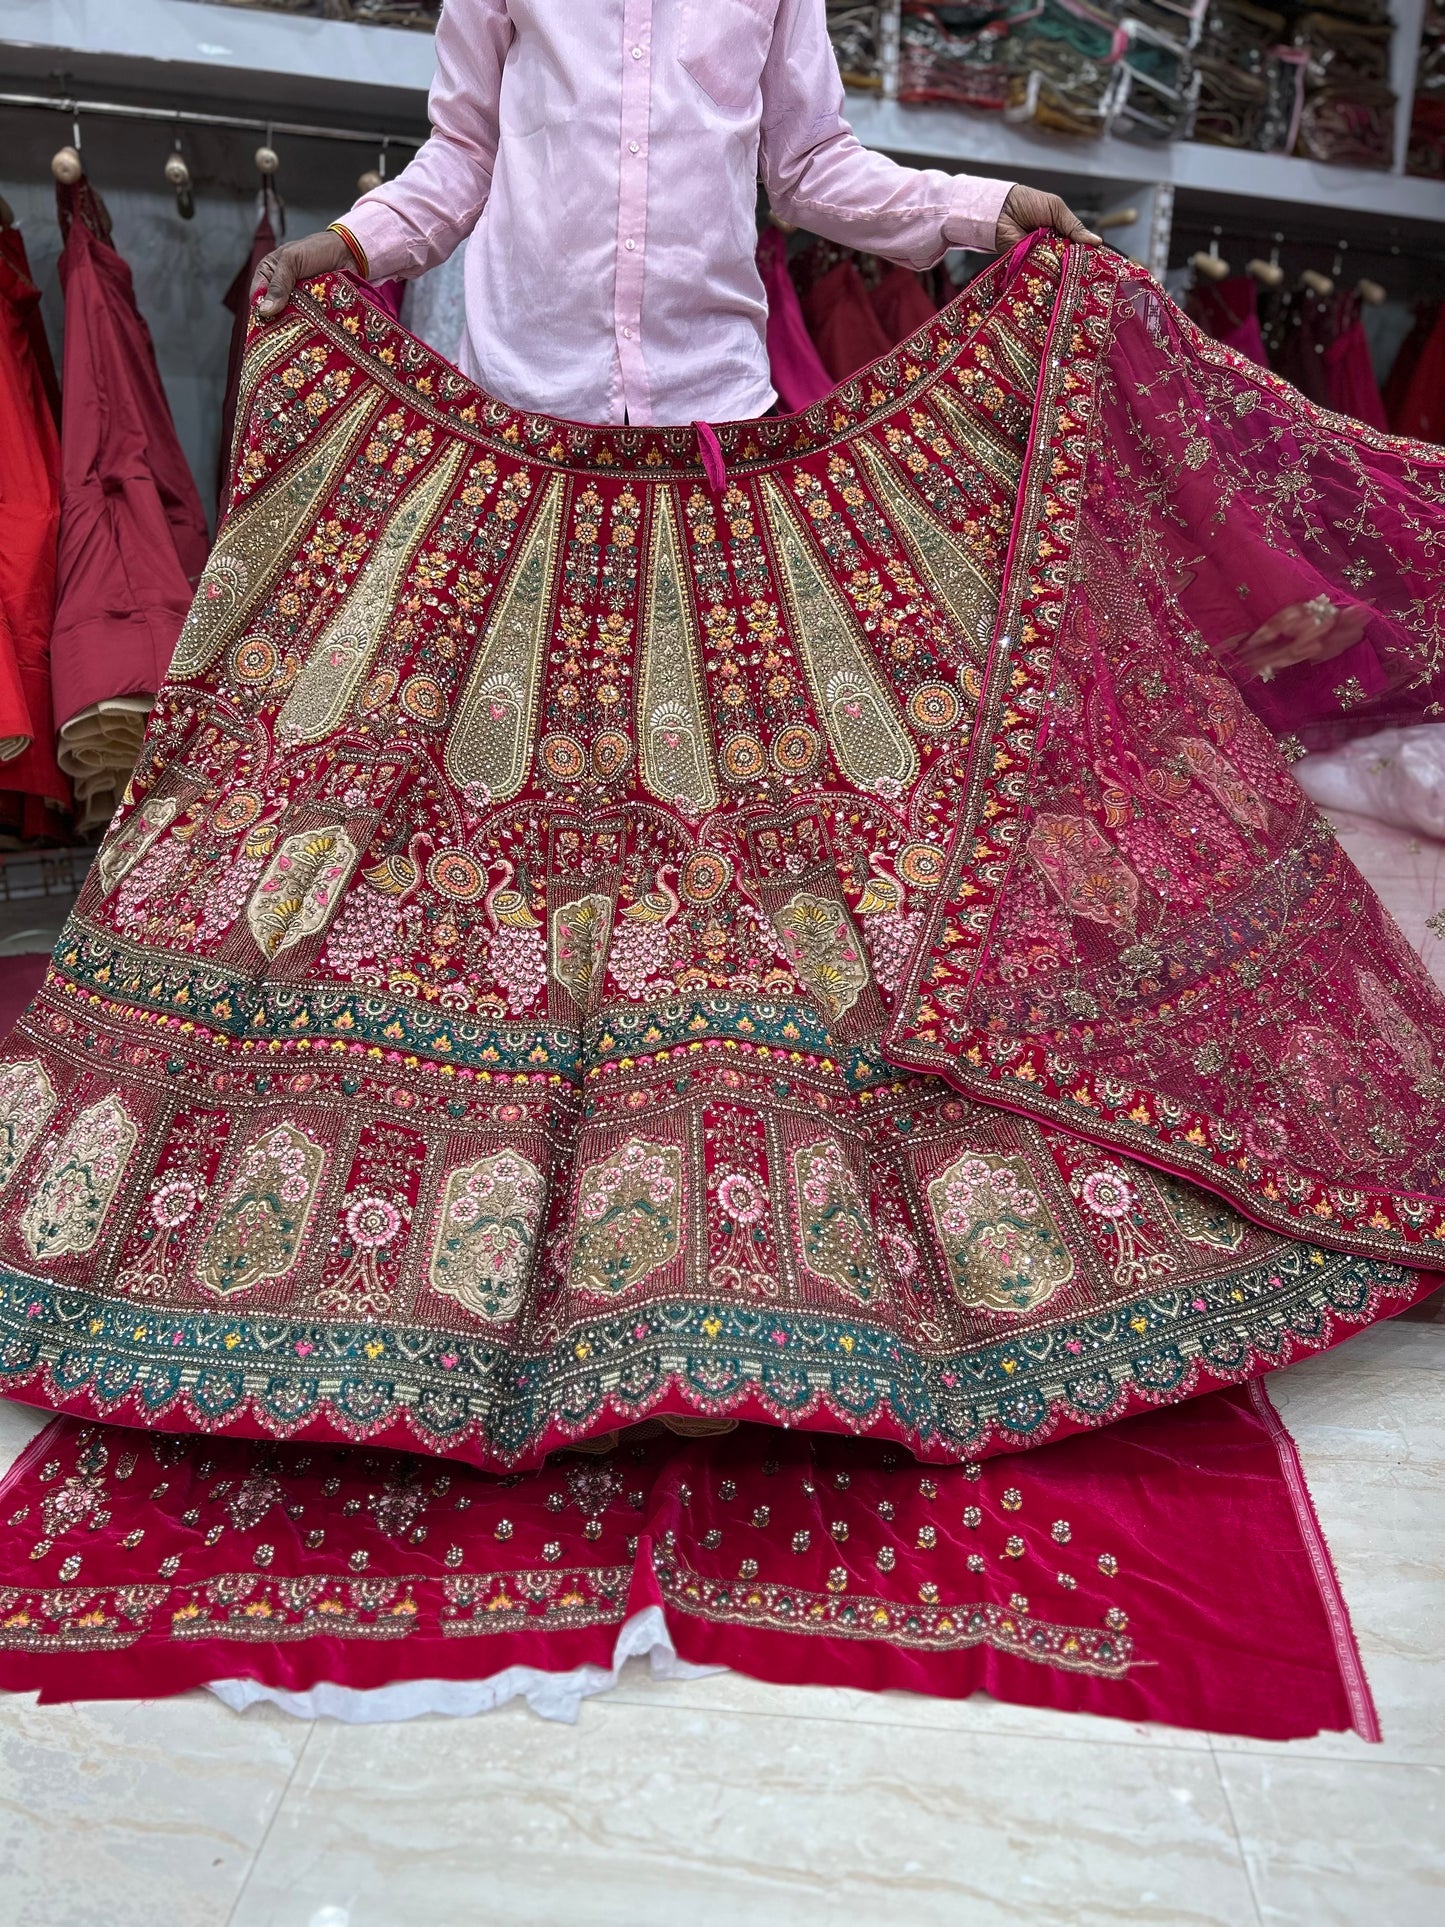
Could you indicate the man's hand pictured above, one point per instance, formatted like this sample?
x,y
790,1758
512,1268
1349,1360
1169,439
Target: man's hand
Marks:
x,y
1028,208
284,267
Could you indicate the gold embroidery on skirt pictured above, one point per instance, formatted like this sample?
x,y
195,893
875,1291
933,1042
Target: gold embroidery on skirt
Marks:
x,y
69,1206
869,741
823,950
270,346
27,1097
580,931
671,713
485,1234
490,740
838,1242
1003,1248
261,1224
300,887
629,1217
120,854
259,538
342,656
1001,460
939,556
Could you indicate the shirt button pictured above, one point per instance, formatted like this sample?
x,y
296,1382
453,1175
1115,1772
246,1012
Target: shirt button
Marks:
x,y
632,147
637,53
630,246
627,334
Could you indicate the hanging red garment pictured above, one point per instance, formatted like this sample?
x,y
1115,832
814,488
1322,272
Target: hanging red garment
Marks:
x,y
238,299
845,330
1407,357
30,510
1229,311
1348,368
797,372
901,302
133,536
1421,408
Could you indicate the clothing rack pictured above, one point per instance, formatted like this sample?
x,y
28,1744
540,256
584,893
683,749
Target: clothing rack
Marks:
x,y
188,117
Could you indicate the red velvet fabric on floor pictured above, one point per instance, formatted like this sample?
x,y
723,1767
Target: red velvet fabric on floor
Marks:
x,y
1167,1569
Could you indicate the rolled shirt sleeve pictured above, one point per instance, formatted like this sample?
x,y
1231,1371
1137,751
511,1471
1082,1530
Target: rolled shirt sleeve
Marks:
x,y
819,176
414,222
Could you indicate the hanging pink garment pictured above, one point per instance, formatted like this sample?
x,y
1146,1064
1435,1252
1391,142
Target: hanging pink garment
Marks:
x,y
133,537
845,330
797,372
1348,368
901,302
1229,311
1421,408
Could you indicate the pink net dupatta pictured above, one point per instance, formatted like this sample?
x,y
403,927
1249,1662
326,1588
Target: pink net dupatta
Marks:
x,y
1146,933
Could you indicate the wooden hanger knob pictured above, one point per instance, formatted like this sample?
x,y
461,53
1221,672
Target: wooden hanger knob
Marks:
x,y
67,166
268,160
368,182
177,173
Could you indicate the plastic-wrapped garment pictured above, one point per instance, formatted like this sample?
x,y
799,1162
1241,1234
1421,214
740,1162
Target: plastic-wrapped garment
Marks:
x,y
29,523
955,56
133,537
1397,776
856,32
797,371
1248,97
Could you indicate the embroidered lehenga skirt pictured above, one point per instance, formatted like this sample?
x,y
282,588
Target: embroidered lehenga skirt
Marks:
x,y
829,945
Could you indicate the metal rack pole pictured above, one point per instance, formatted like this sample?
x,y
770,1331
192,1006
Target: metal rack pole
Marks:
x,y
187,117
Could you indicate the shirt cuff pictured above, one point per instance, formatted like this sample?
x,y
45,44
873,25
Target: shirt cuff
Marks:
x,y
382,236
973,218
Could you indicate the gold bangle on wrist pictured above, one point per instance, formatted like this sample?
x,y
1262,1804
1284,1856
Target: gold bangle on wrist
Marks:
x,y
357,252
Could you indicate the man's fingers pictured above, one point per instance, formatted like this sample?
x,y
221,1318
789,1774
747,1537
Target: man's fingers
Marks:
x,y
280,279
1067,223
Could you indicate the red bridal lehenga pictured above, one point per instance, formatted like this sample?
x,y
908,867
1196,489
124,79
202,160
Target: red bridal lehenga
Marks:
x,y
821,941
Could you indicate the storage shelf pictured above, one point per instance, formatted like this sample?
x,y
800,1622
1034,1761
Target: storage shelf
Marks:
x,y
175,50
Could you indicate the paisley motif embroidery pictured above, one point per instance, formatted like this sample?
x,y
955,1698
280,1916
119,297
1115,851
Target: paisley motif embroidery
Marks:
x,y
968,595
823,948
999,1238
342,656
489,744
1224,783
1403,1035
121,853
27,1098
485,1234
270,346
69,1206
300,887
264,1213
629,1217
869,741
258,539
579,946
672,718
837,1240
1082,865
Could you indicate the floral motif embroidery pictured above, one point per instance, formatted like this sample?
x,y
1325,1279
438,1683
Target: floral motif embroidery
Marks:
x,y
69,1205
300,886
580,930
823,949
1002,1245
486,1231
1091,878
264,1213
629,1217
838,1243
27,1098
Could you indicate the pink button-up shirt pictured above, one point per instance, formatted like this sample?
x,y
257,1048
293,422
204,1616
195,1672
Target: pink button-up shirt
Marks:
x,y
603,155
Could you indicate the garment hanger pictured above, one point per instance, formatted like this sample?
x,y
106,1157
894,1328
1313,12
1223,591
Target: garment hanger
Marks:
x,y
66,165
1373,292
268,161
374,177
179,177
1269,274
1211,266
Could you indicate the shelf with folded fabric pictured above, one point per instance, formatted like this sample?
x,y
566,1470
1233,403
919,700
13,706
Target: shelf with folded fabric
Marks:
x,y
995,146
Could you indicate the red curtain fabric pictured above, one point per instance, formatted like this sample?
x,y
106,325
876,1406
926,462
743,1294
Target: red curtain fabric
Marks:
x,y
30,508
1169,1569
133,537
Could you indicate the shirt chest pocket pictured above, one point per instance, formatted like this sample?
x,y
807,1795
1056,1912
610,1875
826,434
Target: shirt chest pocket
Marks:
x,y
723,44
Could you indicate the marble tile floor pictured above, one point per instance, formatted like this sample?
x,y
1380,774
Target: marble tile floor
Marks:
x,y
726,1801
729,1803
